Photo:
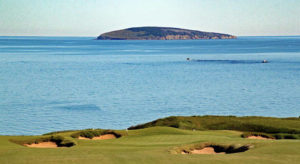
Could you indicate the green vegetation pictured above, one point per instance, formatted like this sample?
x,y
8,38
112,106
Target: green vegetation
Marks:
x,y
247,124
271,136
57,132
257,134
158,144
286,136
59,140
91,133
218,148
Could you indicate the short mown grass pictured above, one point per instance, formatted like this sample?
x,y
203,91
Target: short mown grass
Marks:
x,y
156,143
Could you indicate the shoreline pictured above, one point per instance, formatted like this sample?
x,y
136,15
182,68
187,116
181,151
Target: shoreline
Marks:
x,y
204,116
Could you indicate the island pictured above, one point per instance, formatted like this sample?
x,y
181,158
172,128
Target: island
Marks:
x,y
161,33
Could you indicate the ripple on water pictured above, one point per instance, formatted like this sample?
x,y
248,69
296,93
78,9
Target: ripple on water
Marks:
x,y
80,107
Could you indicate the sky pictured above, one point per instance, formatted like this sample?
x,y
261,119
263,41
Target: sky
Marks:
x,y
93,17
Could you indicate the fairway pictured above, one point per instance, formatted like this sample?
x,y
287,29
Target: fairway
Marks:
x,y
151,145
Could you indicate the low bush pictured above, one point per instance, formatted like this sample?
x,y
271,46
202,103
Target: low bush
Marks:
x,y
265,135
271,136
218,148
57,132
90,133
66,143
59,140
286,136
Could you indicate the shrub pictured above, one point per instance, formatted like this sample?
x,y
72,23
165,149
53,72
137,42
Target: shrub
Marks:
x,y
271,136
59,140
57,132
286,136
66,143
94,133
218,148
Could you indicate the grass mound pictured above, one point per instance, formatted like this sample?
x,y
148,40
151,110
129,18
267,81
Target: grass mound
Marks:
x,y
246,124
60,141
204,148
271,136
90,133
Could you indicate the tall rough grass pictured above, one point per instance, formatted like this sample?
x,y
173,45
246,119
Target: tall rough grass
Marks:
x,y
59,140
90,133
247,124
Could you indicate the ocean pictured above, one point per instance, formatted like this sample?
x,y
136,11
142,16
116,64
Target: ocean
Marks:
x,y
61,83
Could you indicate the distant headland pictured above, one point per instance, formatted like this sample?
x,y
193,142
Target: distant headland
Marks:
x,y
161,33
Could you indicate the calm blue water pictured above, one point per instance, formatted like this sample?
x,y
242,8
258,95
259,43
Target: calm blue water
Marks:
x,y
57,83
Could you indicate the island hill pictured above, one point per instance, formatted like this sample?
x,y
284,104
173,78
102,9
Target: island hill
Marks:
x,y
161,33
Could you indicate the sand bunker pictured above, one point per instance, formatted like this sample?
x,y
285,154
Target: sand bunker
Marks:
x,y
216,149
42,145
206,150
102,137
259,138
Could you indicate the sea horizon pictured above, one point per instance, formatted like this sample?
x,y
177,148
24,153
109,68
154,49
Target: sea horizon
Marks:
x,y
95,36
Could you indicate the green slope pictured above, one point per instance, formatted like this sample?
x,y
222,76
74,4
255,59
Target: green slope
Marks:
x,y
252,124
151,145
162,141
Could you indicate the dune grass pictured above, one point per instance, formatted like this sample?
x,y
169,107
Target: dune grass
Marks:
x,y
91,133
59,140
218,148
247,124
257,134
271,136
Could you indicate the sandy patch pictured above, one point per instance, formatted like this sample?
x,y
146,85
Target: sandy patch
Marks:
x,y
258,138
105,137
206,150
102,137
83,138
42,145
214,149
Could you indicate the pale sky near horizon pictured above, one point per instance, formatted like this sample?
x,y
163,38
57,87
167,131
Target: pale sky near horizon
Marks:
x,y
93,17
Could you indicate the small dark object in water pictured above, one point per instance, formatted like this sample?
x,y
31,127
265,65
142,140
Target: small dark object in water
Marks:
x,y
265,61
187,59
